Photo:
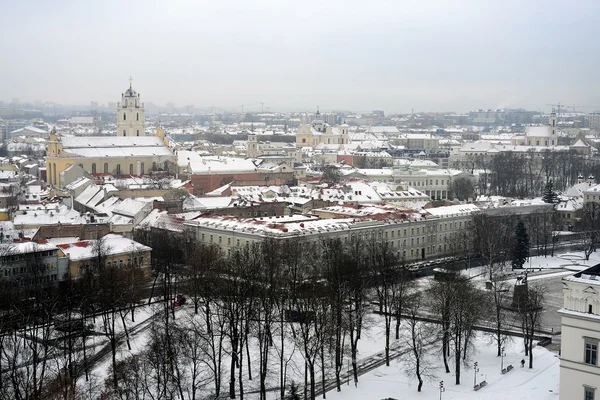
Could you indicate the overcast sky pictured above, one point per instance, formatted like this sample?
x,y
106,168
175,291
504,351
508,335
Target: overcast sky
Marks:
x,y
340,54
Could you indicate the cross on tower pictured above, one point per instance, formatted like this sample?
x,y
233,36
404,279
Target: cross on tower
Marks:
x,y
130,80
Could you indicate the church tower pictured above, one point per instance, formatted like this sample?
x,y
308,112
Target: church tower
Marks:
x,y
130,114
252,146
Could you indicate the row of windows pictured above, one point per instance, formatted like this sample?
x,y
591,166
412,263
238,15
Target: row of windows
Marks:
x,y
118,170
137,132
118,263
590,358
421,183
137,117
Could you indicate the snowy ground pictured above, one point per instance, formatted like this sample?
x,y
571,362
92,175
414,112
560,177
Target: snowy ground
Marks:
x,y
539,383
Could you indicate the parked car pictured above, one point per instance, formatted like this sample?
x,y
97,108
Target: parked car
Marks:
x,y
179,300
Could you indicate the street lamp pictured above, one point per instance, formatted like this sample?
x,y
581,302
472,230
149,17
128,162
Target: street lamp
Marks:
x,y
502,355
476,370
442,389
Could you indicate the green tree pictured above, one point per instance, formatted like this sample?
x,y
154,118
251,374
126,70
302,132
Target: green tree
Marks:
x,y
549,195
521,249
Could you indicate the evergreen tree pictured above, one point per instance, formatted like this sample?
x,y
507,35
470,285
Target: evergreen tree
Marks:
x,y
521,249
549,195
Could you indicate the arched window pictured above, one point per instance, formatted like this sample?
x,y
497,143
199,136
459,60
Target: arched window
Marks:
x,y
123,132
93,168
138,132
124,116
118,169
142,169
130,169
137,116
166,163
106,168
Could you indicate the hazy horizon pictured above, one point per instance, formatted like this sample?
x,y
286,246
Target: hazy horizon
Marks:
x,y
354,55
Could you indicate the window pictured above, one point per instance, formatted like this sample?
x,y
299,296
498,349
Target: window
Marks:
x,y
590,308
142,169
138,132
106,168
130,169
137,118
591,352
123,132
118,169
93,168
124,116
589,393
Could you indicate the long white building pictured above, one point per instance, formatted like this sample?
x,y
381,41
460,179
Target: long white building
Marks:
x,y
415,235
579,363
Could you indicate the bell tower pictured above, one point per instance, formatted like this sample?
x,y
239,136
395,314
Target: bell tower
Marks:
x,y
130,114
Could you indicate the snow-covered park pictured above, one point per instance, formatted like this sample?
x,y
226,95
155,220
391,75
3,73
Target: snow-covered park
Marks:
x,y
538,383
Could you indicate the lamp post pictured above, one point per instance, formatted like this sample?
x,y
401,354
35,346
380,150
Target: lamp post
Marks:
x,y
502,355
442,389
476,370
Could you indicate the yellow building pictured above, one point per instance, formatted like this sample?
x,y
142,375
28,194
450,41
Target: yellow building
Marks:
x,y
319,132
129,153
118,250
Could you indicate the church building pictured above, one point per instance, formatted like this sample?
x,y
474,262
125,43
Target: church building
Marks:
x,y
319,132
128,153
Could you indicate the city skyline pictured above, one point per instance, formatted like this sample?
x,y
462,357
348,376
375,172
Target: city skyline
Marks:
x,y
341,55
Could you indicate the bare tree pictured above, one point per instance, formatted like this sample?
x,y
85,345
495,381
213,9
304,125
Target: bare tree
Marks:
x,y
589,228
530,309
383,265
418,361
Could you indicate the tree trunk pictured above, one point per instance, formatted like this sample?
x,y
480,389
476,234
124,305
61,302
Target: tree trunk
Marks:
x,y
387,340
531,352
445,349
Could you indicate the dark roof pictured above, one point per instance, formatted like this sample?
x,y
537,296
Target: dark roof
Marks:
x,y
595,271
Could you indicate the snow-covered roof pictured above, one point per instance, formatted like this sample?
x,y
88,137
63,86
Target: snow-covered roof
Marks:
x,y
115,146
213,164
453,210
24,247
63,215
113,245
129,207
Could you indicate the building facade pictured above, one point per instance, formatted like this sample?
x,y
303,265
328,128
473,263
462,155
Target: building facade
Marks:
x,y
579,363
412,235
